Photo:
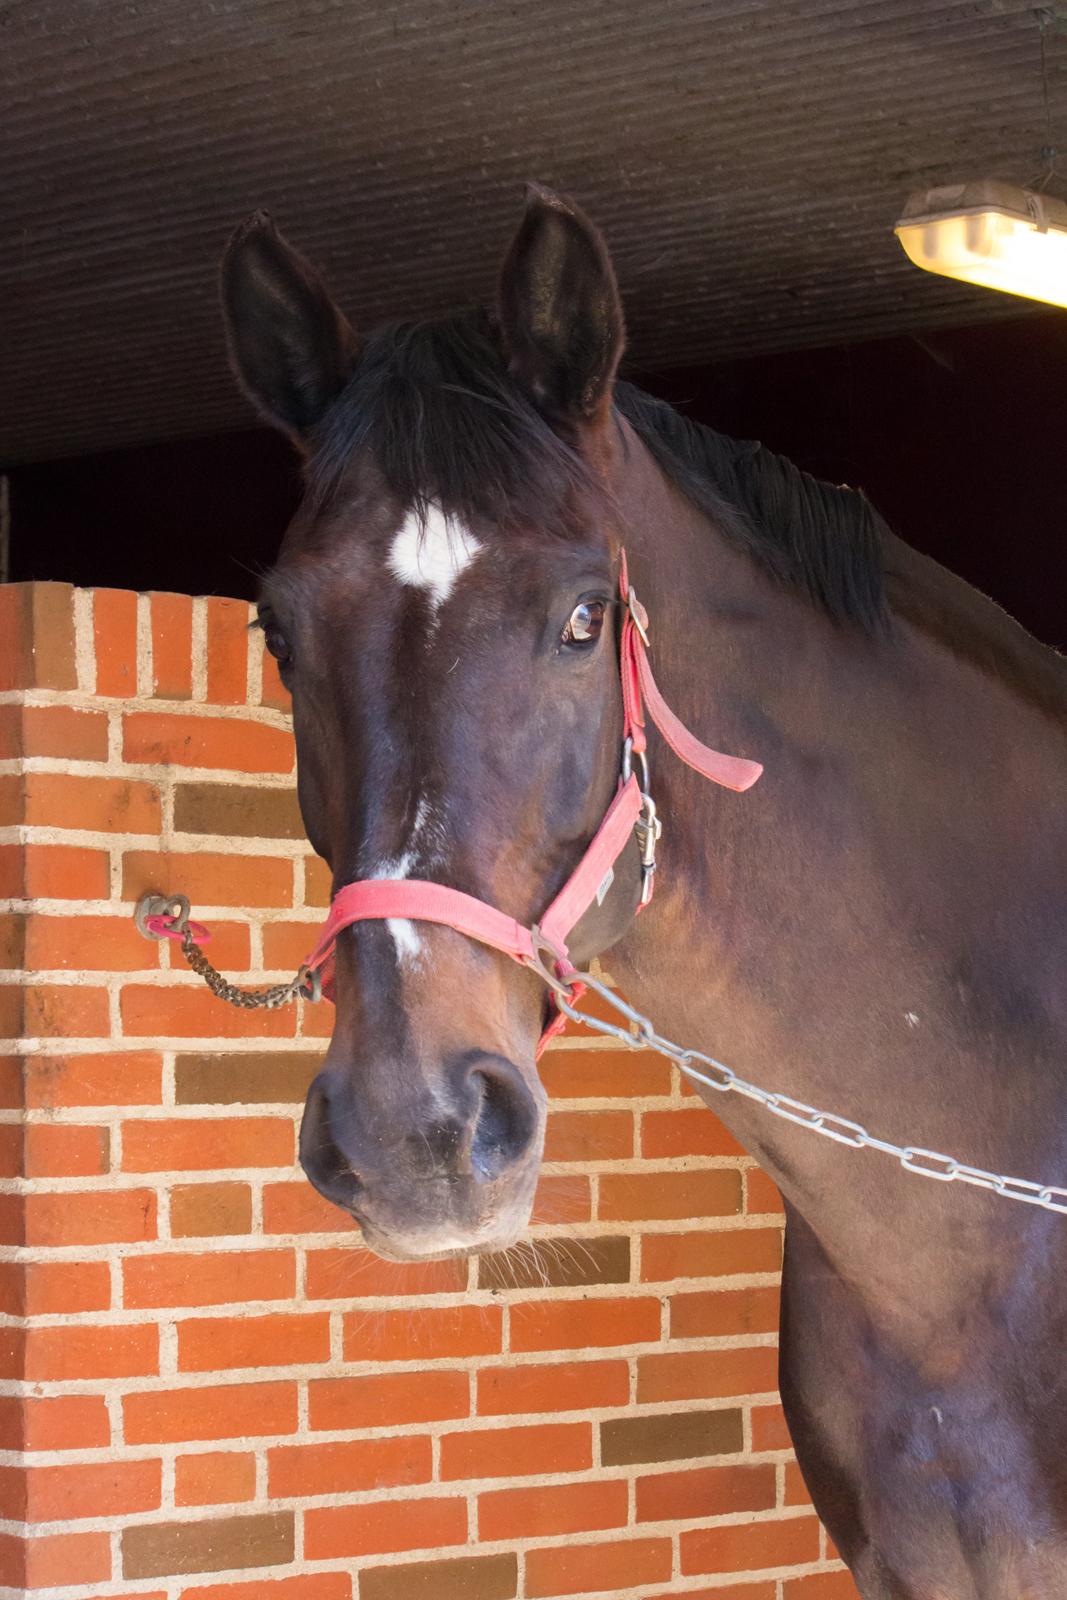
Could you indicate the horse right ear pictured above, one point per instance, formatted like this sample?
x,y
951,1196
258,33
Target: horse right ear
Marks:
x,y
291,348
560,313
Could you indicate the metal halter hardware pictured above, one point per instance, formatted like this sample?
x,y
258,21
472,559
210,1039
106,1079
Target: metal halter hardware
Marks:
x,y
649,826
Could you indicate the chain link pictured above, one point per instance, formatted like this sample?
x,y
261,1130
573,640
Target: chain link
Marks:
x,y
279,994
638,1033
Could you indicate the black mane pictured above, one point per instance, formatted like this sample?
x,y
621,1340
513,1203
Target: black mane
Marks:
x,y
435,406
806,534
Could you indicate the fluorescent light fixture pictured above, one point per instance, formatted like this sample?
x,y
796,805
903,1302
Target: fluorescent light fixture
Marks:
x,y
990,233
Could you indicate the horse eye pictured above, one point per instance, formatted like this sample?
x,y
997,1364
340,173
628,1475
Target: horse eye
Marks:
x,y
273,638
586,622
277,644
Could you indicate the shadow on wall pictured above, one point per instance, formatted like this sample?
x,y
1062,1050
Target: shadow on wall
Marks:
x,y
956,435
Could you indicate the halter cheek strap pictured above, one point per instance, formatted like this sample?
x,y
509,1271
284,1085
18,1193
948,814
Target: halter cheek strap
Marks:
x,y
632,810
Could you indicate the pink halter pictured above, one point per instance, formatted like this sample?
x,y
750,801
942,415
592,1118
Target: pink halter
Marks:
x,y
631,809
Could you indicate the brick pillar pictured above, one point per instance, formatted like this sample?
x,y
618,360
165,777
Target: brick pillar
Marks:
x,y
208,1391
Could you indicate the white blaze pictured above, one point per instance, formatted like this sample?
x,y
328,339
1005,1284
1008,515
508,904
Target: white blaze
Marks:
x,y
409,946
432,554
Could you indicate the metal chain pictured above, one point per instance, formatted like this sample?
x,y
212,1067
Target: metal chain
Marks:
x,y
640,1035
279,994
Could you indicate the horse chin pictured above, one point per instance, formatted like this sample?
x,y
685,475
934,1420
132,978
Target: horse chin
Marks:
x,y
443,1245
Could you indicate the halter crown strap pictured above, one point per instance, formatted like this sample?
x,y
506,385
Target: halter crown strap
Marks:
x,y
732,772
422,901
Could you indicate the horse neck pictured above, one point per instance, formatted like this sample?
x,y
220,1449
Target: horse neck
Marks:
x,y
868,929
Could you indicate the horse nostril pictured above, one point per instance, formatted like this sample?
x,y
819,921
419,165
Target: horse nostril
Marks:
x,y
505,1124
322,1159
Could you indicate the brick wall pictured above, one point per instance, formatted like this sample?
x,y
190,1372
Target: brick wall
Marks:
x,y
209,1393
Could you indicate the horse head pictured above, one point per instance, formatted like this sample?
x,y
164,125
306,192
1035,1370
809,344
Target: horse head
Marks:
x,y
444,613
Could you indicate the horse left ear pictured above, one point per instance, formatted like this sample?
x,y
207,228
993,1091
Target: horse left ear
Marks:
x,y
560,312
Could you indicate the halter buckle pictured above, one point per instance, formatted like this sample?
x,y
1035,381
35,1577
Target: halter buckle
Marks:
x,y
638,616
649,826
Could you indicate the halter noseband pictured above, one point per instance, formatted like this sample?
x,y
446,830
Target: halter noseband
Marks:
x,y
631,811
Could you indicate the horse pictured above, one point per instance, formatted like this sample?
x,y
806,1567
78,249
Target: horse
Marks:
x,y
877,926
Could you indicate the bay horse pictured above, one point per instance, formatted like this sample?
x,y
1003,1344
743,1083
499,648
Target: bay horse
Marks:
x,y
876,927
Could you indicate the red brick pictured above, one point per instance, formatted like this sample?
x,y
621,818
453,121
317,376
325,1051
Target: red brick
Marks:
x,y
318,882
231,1411
63,732
12,1088
206,1144
716,1313
209,878
172,645
115,640
65,1011
589,1136
88,1216
232,743
767,1590
102,1489
63,1150
210,1344
751,1546
227,651
694,1131
391,1399
584,1568
11,1150
598,1074
11,729
13,1012
150,1010
706,1492
562,1198
384,1527
770,1431
539,1512
13,871
59,1354
349,1466
12,1219
65,872
87,944
583,1324
57,1288
710,1255
60,1560
821,1586
272,690
131,1077
285,944
104,805
516,1452
37,636
761,1194
206,1210
319,1586
634,1196
65,1422
430,1333
215,1478
706,1374
796,1490
347,1272
552,1386
211,1277
298,1208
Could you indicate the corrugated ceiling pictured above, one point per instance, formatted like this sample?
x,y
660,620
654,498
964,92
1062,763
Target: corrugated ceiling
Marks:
x,y
746,159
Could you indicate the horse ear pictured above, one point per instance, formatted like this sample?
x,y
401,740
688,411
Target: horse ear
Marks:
x,y
560,312
290,346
